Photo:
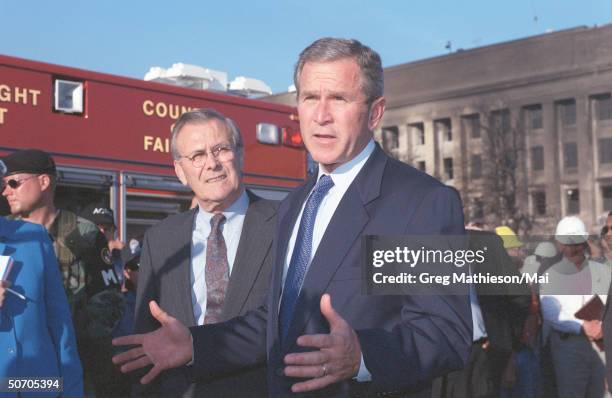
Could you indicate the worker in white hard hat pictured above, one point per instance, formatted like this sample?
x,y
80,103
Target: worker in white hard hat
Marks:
x,y
572,283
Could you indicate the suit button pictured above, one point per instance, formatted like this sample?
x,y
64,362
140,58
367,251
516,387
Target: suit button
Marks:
x,y
280,372
11,350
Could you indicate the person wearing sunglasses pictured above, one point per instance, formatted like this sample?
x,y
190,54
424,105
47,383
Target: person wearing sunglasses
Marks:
x,y
29,187
37,337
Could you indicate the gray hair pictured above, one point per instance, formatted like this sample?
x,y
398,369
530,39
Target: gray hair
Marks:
x,y
330,49
2,169
202,116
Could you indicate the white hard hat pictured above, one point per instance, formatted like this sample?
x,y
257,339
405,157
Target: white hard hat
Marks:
x,y
545,249
571,231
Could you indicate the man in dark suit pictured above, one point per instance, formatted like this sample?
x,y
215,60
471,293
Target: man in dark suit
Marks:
x,y
498,315
363,344
179,255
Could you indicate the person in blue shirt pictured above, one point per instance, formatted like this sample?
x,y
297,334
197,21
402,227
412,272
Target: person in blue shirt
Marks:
x,y
37,337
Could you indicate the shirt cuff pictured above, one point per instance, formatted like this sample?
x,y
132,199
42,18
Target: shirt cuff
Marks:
x,y
190,363
364,374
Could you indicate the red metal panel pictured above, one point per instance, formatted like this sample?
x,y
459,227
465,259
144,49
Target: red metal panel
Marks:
x,y
126,122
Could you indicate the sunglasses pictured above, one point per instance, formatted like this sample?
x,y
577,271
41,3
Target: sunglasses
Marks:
x,y
15,183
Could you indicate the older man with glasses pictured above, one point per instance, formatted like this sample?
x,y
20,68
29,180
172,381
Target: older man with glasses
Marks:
x,y
214,261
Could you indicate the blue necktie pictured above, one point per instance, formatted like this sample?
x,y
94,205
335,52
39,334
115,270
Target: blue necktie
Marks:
x,y
301,254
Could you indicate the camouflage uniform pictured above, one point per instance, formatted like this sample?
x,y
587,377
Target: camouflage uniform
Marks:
x,y
93,291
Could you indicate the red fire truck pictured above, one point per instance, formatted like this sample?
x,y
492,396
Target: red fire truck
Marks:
x,y
109,136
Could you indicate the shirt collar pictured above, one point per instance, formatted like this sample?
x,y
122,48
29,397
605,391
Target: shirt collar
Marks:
x,y
343,175
239,207
566,267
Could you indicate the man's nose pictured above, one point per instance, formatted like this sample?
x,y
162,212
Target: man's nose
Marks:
x,y
322,112
211,162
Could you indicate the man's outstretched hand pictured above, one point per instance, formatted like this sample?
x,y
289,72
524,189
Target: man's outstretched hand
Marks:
x,y
170,346
337,357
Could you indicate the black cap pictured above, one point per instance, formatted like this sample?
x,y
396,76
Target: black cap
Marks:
x,y
31,161
98,214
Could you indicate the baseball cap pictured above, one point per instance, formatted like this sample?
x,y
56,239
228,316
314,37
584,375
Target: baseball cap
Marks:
x,y
98,214
32,161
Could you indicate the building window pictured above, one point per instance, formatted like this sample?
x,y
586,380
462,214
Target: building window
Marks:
x,y
501,121
444,128
603,107
418,131
537,158
533,117
539,203
570,155
567,112
478,209
390,137
606,193
510,159
421,165
573,201
476,166
471,125
605,150
448,169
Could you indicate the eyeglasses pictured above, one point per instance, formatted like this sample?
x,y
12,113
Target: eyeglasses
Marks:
x,y
15,183
222,153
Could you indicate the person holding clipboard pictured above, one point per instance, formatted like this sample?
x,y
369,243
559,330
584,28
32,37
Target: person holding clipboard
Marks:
x,y
37,339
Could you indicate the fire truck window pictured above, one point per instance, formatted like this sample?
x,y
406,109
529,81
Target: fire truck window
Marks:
x,y
76,198
145,211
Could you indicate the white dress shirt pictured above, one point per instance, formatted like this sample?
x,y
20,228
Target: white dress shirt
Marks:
x,y
342,177
231,230
479,330
558,309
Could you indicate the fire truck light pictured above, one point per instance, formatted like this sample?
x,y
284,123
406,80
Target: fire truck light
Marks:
x,y
291,137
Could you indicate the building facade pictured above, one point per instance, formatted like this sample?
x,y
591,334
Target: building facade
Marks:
x,y
547,97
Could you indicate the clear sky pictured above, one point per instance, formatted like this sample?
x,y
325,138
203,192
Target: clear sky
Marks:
x,y
262,39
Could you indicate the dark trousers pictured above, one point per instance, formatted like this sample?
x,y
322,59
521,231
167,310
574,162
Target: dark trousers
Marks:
x,y
480,378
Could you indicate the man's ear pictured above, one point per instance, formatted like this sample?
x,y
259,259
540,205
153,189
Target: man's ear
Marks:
x,y
377,110
178,169
44,181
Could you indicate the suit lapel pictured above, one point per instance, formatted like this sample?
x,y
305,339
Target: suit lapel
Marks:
x,y
255,241
342,233
344,228
287,217
181,245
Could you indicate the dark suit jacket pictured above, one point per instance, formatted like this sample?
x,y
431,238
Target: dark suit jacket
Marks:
x,y
165,277
406,340
504,308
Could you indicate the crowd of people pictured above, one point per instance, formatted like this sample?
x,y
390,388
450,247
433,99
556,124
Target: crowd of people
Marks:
x,y
245,297
534,343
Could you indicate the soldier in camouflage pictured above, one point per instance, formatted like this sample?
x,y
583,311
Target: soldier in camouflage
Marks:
x,y
87,271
